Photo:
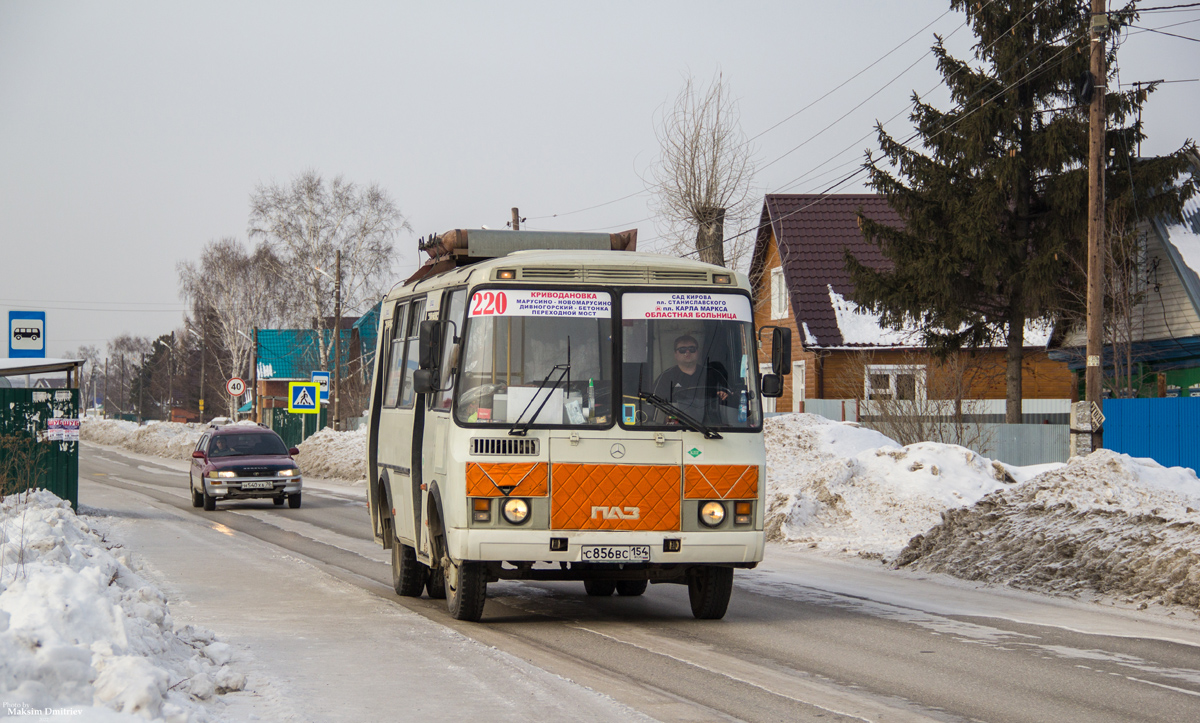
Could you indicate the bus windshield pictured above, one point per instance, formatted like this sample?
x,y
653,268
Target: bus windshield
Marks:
x,y
688,358
536,357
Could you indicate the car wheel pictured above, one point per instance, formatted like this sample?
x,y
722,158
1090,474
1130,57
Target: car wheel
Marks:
x,y
197,498
599,588
278,501
631,588
294,501
466,589
210,502
408,575
709,589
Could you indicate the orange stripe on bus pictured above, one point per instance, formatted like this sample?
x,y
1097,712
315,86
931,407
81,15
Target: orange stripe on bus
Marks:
x,y
528,479
720,481
615,497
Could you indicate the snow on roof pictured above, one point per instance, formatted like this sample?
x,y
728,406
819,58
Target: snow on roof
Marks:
x,y
1185,236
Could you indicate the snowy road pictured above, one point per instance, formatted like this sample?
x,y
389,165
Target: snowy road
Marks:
x,y
304,597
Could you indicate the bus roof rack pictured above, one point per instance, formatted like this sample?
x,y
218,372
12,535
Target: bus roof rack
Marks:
x,y
481,244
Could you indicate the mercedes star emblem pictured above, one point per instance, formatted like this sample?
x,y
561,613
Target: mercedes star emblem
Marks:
x,y
617,451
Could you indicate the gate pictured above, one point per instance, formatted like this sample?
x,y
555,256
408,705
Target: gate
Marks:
x,y
293,428
32,454
1163,429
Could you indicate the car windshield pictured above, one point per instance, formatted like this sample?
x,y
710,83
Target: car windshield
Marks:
x,y
531,350
688,360
243,445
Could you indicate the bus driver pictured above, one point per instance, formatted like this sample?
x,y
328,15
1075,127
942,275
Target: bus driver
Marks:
x,y
684,384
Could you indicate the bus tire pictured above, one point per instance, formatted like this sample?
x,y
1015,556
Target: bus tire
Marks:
x,y
631,588
436,584
466,590
408,575
599,588
709,589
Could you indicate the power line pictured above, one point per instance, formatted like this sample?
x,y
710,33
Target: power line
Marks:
x,y
1162,32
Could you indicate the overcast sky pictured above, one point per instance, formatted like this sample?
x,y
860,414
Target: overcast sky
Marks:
x,y
133,133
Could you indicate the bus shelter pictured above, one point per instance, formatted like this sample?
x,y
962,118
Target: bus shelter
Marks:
x,y
39,430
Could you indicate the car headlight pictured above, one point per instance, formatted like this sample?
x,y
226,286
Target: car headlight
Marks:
x,y
712,513
293,472
515,511
221,475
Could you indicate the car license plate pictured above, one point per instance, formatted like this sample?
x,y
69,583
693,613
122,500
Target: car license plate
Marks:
x,y
265,485
614,553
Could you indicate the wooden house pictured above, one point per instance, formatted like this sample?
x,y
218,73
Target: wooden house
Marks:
x,y
841,351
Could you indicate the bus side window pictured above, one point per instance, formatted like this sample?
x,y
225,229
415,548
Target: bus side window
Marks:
x,y
453,309
410,365
395,357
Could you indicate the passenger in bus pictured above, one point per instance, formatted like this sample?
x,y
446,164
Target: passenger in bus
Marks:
x,y
691,388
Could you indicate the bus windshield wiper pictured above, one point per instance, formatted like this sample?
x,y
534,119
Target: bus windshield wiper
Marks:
x,y
667,408
520,428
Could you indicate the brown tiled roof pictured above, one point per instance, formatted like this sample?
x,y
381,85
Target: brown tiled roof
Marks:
x,y
814,232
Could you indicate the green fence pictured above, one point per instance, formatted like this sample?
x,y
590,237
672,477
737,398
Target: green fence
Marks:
x,y
32,454
294,428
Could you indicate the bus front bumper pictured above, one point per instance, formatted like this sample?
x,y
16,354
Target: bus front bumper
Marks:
x,y
728,547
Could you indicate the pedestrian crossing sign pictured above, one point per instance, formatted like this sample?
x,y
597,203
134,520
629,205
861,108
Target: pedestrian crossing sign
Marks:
x,y
304,397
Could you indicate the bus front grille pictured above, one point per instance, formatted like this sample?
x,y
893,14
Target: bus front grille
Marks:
x,y
679,277
504,446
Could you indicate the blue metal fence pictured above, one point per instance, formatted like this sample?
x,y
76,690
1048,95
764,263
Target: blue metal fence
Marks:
x,y
1166,430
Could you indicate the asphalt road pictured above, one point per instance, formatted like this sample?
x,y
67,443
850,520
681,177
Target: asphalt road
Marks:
x,y
802,640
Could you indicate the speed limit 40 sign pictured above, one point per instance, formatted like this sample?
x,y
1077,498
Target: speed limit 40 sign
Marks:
x,y
236,387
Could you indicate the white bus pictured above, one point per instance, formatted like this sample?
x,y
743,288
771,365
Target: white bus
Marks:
x,y
556,406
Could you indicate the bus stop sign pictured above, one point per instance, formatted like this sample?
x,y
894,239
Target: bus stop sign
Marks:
x,y
26,335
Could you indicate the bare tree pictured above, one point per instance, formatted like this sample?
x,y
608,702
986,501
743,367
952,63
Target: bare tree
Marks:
x,y
125,356
307,222
702,182
87,373
234,291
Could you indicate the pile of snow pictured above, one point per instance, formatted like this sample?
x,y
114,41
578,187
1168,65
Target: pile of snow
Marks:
x,y
81,632
1105,523
335,454
835,485
160,439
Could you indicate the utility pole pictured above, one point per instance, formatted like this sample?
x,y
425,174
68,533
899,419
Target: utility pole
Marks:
x,y
141,388
106,387
203,332
516,222
337,338
1096,217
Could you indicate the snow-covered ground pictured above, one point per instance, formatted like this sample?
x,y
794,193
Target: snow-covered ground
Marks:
x,y
83,635
1106,524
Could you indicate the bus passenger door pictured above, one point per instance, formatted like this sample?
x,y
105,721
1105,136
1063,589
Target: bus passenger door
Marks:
x,y
396,423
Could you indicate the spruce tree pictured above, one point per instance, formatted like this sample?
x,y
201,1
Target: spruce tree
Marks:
x,y
994,193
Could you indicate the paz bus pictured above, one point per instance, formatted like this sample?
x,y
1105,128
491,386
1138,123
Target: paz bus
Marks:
x,y
558,406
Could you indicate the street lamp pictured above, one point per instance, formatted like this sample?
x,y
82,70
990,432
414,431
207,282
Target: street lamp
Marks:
x,y
337,334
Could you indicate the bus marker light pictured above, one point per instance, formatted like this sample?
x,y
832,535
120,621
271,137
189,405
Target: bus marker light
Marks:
x,y
558,544
672,545
482,510
506,274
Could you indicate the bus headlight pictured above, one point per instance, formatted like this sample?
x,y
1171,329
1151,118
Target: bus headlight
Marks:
x,y
515,511
712,514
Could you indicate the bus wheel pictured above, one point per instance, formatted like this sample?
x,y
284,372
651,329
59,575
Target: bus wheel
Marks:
x,y
708,590
631,588
408,575
436,584
599,588
466,589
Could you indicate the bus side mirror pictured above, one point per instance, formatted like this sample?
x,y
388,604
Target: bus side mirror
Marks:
x,y
781,352
772,385
429,344
425,380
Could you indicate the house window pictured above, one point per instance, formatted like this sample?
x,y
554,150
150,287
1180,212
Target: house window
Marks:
x,y
885,382
779,300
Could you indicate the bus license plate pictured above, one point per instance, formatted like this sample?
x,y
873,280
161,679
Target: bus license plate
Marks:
x,y
614,553
257,485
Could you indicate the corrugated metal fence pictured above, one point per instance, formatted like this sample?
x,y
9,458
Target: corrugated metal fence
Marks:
x,y
1166,430
29,456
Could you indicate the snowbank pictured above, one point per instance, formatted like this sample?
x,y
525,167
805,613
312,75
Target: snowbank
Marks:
x,y
1105,523
838,486
81,631
161,439
335,454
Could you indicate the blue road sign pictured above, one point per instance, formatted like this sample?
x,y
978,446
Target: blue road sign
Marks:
x,y
26,335
322,378
304,397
